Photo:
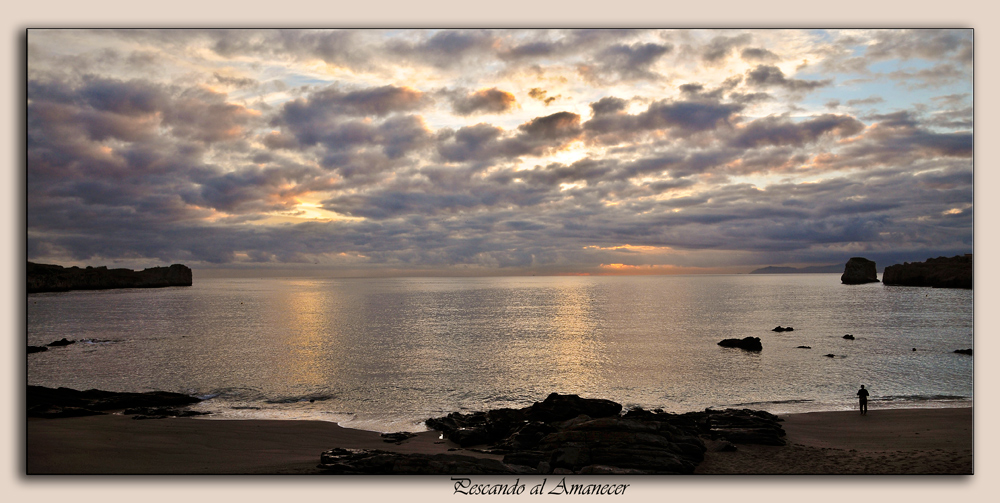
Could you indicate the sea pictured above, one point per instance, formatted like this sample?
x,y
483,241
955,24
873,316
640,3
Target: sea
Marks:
x,y
385,354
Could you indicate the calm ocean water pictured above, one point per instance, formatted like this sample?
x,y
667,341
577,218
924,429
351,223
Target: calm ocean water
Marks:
x,y
385,354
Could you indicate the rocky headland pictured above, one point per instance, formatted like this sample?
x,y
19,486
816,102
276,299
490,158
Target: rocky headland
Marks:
x,y
941,272
859,271
566,434
55,278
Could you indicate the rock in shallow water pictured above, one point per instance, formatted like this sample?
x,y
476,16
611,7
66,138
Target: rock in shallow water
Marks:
x,y
859,271
41,400
746,343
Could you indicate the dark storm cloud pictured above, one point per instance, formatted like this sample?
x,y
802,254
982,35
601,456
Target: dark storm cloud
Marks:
x,y
446,48
922,43
134,110
936,76
778,131
238,82
325,118
560,43
251,189
759,55
687,116
611,125
540,95
490,101
608,105
203,115
331,102
483,142
719,48
335,47
900,137
871,100
624,63
134,97
771,76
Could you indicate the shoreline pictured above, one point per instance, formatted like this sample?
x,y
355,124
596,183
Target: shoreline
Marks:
x,y
886,441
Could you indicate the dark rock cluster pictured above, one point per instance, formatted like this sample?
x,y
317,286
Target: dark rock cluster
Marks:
x,y
566,434
398,437
54,278
859,271
780,328
963,351
941,272
66,402
746,343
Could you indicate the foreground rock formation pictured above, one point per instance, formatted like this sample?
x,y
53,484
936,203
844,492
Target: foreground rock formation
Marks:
x,y
67,402
54,278
566,434
941,272
859,271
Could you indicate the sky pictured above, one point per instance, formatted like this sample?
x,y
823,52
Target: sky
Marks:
x,y
491,152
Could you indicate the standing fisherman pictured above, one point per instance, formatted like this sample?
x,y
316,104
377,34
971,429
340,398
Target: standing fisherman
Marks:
x,y
863,399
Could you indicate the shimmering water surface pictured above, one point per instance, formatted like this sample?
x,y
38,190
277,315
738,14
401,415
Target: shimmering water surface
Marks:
x,y
385,354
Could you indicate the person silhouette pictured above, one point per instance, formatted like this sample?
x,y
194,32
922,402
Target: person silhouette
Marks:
x,y
863,400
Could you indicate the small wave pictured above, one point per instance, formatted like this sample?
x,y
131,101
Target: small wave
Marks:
x,y
774,402
920,398
298,399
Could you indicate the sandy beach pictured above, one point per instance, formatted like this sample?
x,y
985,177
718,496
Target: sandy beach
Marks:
x,y
900,441
883,442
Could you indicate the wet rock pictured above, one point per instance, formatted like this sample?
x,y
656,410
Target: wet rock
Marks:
x,y
779,328
558,407
40,399
849,337
831,355
964,351
61,342
803,347
493,426
398,437
636,442
746,343
859,270
36,349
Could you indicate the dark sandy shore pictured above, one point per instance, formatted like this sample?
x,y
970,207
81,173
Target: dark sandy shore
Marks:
x,y
894,441
921,441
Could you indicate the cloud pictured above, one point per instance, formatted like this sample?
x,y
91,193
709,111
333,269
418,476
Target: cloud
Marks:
x,y
624,63
719,48
491,101
775,131
408,151
772,76
446,48
540,95
759,55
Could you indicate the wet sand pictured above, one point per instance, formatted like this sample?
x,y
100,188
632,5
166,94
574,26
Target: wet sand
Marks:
x,y
918,441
